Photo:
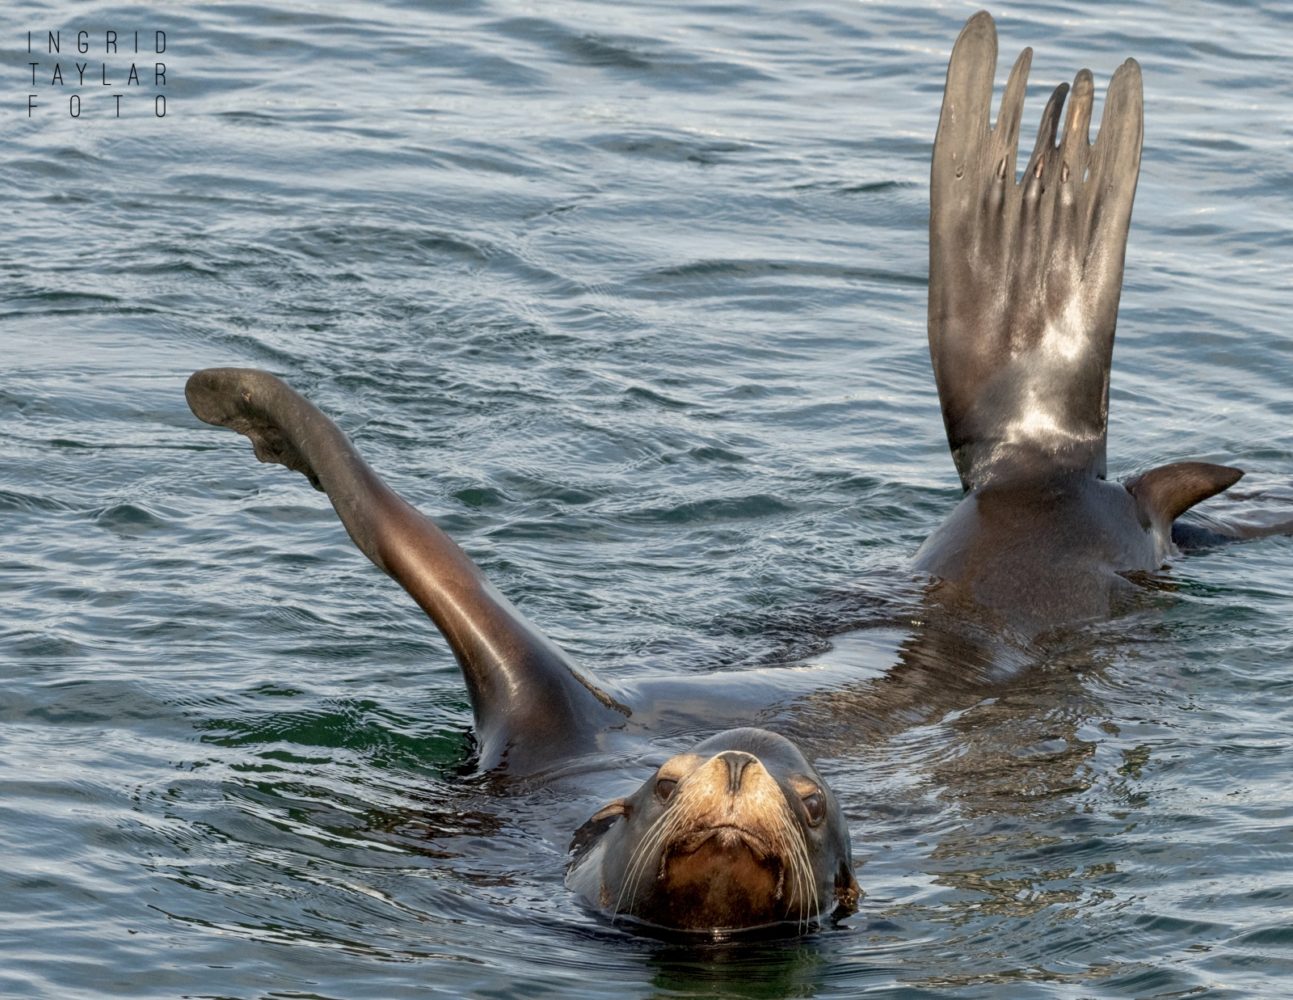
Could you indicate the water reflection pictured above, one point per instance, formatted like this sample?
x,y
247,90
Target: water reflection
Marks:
x,y
754,970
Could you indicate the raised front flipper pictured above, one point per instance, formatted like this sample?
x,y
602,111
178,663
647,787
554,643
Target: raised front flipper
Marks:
x,y
1025,276
532,705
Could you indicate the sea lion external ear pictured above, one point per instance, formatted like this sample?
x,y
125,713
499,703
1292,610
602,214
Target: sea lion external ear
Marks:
x,y
847,892
612,810
1165,493
597,824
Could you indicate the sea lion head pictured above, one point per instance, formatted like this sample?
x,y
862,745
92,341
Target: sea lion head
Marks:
x,y
741,832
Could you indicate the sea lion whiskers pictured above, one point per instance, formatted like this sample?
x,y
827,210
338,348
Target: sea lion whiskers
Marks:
x,y
661,828
804,872
791,845
794,848
637,862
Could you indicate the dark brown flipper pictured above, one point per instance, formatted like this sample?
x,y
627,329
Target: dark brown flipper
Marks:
x,y
1167,492
532,705
1025,277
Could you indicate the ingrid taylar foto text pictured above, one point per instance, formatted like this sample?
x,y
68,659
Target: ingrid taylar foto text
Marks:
x,y
66,71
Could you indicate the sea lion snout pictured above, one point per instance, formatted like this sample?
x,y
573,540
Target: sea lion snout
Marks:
x,y
731,792
736,761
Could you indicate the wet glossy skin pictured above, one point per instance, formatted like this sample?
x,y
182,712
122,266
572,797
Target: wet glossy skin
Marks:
x,y
1043,551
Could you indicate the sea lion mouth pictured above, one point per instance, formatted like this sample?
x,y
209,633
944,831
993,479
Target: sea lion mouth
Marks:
x,y
723,876
726,837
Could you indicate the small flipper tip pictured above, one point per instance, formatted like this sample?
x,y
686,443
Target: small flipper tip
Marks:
x,y
980,21
255,404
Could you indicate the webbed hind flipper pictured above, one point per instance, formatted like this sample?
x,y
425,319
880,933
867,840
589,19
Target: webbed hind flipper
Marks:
x,y
1024,277
532,705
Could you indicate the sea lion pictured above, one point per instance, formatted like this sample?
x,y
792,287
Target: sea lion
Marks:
x,y
740,833
1025,276
1024,281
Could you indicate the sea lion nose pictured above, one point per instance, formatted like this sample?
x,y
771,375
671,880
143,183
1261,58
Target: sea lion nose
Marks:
x,y
736,761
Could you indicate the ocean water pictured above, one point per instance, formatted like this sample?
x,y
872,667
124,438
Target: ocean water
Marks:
x,y
631,297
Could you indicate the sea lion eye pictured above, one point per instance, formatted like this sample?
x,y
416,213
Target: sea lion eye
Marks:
x,y
664,788
815,806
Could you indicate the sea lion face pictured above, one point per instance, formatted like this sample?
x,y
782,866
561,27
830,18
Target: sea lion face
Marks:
x,y
739,833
